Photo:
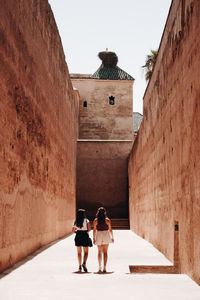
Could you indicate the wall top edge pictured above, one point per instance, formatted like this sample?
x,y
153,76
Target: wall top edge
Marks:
x,y
94,79
86,140
163,42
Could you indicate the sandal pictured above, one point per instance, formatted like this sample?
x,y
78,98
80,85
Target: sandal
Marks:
x,y
84,267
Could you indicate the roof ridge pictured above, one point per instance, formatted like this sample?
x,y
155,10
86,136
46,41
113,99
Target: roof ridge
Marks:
x,y
111,73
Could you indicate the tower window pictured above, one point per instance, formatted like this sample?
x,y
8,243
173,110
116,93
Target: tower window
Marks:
x,y
84,103
111,100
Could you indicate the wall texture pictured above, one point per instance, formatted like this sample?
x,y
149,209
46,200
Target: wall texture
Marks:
x,y
102,177
164,168
38,131
100,120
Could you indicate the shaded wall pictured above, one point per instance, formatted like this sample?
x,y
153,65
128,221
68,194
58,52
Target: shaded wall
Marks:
x,y
164,168
38,131
102,169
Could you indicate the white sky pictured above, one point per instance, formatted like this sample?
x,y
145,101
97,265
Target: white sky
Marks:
x,y
130,28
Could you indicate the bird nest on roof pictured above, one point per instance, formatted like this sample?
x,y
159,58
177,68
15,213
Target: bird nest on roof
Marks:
x,y
109,59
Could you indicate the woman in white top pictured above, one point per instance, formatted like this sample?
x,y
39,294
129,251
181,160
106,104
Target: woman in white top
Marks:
x,y
82,240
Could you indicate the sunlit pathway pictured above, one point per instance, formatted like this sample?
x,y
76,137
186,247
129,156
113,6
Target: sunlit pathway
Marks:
x,y
51,275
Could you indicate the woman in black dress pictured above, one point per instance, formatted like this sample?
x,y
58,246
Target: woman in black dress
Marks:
x,y
82,240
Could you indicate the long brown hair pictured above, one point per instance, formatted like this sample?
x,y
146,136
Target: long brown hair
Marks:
x,y
80,216
101,215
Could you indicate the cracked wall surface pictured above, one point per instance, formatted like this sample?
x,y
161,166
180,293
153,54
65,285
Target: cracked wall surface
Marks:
x,y
164,167
38,122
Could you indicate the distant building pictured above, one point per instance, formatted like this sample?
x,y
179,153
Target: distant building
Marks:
x,y
106,104
137,120
105,137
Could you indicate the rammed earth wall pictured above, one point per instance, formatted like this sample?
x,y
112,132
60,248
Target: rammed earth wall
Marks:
x,y
38,131
164,167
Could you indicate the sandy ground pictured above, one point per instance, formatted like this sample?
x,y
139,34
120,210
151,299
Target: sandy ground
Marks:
x,y
51,274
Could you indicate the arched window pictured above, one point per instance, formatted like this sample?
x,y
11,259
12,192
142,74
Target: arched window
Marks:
x,y
84,103
111,100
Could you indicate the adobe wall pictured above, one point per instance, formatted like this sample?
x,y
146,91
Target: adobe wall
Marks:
x,y
164,167
38,131
100,120
102,169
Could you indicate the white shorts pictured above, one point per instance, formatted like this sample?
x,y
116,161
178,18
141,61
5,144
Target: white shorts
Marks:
x,y
103,238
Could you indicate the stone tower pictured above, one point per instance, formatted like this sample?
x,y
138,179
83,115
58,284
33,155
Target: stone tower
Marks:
x,y
105,137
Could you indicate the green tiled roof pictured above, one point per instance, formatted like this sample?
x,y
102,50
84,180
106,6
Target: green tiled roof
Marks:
x,y
111,73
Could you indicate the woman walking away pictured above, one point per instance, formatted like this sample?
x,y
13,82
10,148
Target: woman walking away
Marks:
x,y
82,240
102,236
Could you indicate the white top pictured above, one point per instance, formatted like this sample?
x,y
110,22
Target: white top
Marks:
x,y
85,222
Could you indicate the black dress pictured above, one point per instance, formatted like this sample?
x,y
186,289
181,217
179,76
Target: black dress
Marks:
x,y
82,238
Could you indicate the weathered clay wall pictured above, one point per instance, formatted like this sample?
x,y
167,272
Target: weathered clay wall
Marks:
x,y
100,120
164,167
102,177
38,131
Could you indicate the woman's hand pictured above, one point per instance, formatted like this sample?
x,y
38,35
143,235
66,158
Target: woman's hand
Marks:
x,y
94,241
112,240
73,229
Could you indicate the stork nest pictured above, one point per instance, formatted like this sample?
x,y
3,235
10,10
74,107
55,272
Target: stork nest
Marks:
x,y
109,59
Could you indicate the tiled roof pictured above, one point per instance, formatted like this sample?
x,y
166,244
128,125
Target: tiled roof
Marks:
x,y
111,73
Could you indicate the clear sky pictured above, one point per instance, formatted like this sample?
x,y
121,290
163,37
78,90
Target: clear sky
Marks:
x,y
130,28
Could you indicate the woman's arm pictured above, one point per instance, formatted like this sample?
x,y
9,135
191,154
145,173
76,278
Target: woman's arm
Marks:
x,y
94,230
88,226
74,229
110,229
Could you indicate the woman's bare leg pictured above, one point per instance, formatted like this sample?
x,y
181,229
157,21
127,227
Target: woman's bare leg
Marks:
x,y
85,249
105,256
79,253
99,256
85,257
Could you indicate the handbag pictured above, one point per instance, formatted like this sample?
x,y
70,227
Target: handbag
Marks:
x,y
89,242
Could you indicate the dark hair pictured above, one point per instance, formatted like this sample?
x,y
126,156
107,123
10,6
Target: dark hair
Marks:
x,y
80,216
101,215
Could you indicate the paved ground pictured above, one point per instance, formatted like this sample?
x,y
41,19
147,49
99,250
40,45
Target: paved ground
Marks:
x,y
51,274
